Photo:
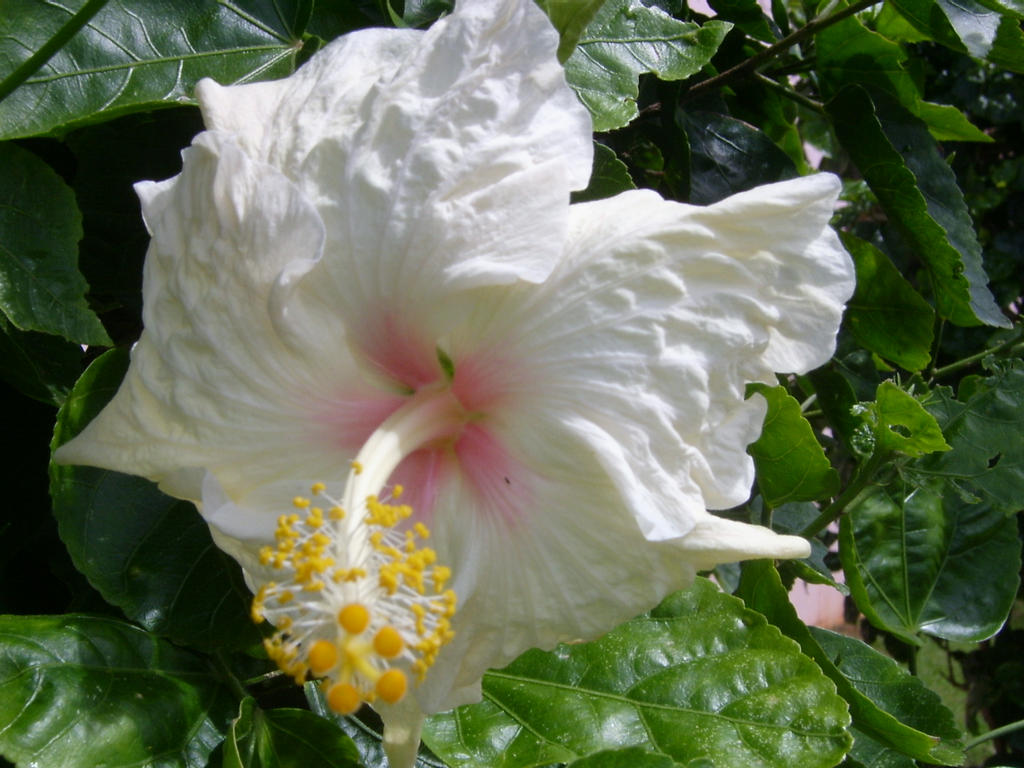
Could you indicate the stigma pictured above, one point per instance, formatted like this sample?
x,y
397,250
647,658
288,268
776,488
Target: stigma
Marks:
x,y
356,597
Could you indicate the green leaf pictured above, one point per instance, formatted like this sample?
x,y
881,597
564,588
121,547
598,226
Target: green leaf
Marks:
x,y
969,27
700,679
881,696
570,18
136,55
609,177
41,288
897,692
986,465
286,738
927,561
918,191
148,554
791,464
748,16
627,39
40,366
900,423
886,315
630,757
728,156
80,692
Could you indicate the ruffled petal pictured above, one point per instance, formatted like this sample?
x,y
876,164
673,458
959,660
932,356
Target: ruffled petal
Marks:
x,y
659,314
212,384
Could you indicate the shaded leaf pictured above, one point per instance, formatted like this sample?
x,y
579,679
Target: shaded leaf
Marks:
x,y
286,738
701,679
137,55
791,464
609,177
148,554
927,561
81,691
748,16
918,191
880,694
627,39
40,366
969,27
886,315
898,422
41,288
728,156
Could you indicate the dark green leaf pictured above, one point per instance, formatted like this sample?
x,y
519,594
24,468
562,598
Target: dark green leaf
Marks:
x,y
969,27
286,738
148,554
728,156
986,464
630,757
625,40
836,398
791,464
876,689
137,55
41,288
917,189
40,366
793,518
747,15
701,679
900,423
609,177
927,561
870,753
570,18
886,315
81,692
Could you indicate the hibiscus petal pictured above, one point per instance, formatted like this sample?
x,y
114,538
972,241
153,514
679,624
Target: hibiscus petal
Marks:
x,y
212,385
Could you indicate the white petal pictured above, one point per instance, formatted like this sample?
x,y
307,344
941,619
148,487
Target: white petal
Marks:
x,y
212,385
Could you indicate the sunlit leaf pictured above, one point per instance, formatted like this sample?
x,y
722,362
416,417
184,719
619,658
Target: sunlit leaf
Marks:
x,y
900,423
702,680
609,177
148,554
570,18
625,40
82,692
630,757
41,288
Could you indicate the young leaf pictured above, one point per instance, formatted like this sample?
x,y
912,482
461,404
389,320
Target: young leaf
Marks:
x,y
625,40
700,679
81,691
886,315
609,177
902,165
41,288
791,464
148,554
728,156
286,737
137,55
927,561
900,423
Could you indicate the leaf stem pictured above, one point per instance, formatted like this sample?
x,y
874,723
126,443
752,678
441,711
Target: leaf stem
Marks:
x,y
228,676
995,733
860,481
749,66
789,93
1013,344
50,47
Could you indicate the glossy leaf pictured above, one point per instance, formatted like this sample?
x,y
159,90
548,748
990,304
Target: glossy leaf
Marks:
x,y
748,16
986,465
148,554
286,738
700,679
40,366
900,423
791,464
969,27
630,757
915,186
924,560
729,156
137,55
41,288
886,314
625,40
609,177
880,694
81,691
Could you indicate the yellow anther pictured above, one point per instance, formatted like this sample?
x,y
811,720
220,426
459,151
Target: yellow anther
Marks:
x,y
397,492
441,575
354,618
285,597
318,488
300,502
357,467
343,698
336,513
388,642
391,686
323,655
421,530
